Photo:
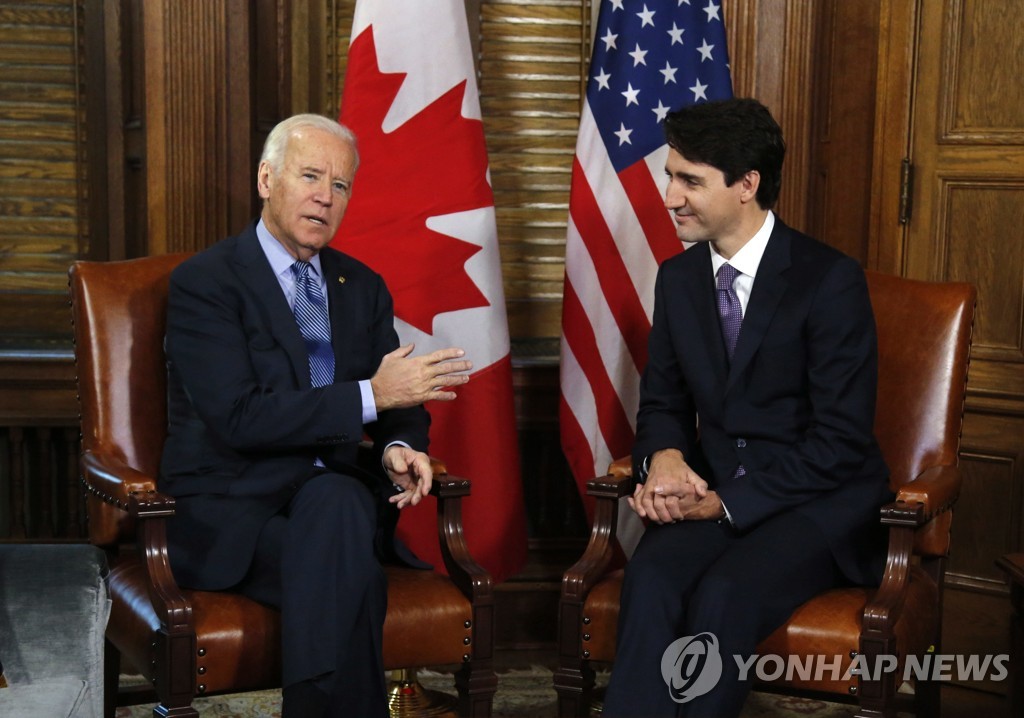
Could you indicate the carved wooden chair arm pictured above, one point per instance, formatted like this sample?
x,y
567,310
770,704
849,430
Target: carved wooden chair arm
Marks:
x,y
920,505
470,578
593,564
115,483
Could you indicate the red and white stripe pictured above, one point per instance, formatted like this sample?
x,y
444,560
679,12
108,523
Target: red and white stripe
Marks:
x,y
619,232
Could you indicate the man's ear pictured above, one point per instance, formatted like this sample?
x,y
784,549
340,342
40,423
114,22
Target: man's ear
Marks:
x,y
263,180
749,184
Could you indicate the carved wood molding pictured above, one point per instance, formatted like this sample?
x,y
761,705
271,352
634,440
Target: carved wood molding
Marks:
x,y
896,49
199,165
771,53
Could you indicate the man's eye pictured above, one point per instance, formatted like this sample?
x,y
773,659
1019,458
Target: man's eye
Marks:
x,y
340,187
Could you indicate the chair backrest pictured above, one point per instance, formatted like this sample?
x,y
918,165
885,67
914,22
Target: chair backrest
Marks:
x,y
120,315
924,342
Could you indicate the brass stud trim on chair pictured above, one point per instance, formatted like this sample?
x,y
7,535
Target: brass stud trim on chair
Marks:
x,y
586,620
201,652
465,658
586,654
201,670
467,624
586,636
466,641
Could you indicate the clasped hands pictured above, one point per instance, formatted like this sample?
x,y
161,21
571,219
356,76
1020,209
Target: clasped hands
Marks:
x,y
674,492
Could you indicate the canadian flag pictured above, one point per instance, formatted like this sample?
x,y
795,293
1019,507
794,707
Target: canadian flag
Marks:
x,y
422,215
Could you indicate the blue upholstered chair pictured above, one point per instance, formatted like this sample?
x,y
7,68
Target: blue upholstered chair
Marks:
x,y
53,614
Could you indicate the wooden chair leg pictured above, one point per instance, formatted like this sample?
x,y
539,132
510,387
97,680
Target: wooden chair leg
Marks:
x,y
574,685
476,683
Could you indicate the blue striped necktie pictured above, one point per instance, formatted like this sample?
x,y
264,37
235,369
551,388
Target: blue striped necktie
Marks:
x,y
311,314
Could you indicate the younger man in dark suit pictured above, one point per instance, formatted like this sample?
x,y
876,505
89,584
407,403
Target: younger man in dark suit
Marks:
x,y
281,354
759,472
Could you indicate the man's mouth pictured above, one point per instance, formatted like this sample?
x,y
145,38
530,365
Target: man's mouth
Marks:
x,y
317,220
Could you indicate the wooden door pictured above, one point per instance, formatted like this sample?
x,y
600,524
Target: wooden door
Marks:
x,y
952,78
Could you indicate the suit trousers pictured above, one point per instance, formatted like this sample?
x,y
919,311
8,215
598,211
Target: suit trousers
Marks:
x,y
315,561
692,577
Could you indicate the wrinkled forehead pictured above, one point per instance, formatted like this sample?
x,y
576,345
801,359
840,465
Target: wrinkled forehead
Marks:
x,y
312,147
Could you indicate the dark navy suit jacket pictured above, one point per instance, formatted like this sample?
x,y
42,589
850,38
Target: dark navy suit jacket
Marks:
x,y
796,404
245,425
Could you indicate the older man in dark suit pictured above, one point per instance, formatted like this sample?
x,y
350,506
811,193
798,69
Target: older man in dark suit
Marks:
x,y
281,354
759,471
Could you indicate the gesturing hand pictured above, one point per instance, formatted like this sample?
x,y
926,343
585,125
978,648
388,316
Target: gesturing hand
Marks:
x,y
409,470
403,381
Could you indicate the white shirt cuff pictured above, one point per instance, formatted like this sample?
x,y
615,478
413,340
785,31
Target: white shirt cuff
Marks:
x,y
369,405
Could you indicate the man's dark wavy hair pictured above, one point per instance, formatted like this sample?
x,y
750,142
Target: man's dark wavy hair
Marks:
x,y
734,136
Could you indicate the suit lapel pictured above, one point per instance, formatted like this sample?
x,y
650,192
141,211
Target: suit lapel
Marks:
x,y
769,286
256,273
336,303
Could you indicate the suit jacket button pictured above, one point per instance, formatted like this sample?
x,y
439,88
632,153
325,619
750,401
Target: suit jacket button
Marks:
x,y
741,443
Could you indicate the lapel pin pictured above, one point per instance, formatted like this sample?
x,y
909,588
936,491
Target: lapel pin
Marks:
x,y
341,280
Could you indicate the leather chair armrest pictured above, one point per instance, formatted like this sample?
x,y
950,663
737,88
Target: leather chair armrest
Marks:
x,y
621,467
936,490
113,481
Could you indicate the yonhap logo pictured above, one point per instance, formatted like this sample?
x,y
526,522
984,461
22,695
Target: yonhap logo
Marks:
x,y
691,666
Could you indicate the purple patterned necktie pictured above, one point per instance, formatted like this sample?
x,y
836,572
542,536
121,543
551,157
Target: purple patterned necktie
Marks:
x,y
730,314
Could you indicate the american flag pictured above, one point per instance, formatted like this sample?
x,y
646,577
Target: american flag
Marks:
x,y
649,58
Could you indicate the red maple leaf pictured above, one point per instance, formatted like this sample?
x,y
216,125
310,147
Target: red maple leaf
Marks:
x,y
432,165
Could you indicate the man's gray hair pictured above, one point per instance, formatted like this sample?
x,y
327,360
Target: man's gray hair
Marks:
x,y
277,141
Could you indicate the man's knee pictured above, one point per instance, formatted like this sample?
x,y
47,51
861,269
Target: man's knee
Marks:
x,y
336,496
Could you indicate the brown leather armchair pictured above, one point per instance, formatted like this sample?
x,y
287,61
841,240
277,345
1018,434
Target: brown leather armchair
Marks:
x,y
924,339
189,643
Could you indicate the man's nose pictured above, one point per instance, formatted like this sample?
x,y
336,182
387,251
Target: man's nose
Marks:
x,y
674,197
323,193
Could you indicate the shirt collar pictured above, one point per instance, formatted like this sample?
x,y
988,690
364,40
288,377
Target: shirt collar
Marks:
x,y
280,261
748,258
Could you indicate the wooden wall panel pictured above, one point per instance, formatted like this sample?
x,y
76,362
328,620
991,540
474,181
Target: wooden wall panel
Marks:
x,y
42,170
972,248
199,160
839,197
771,57
983,96
987,518
533,70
